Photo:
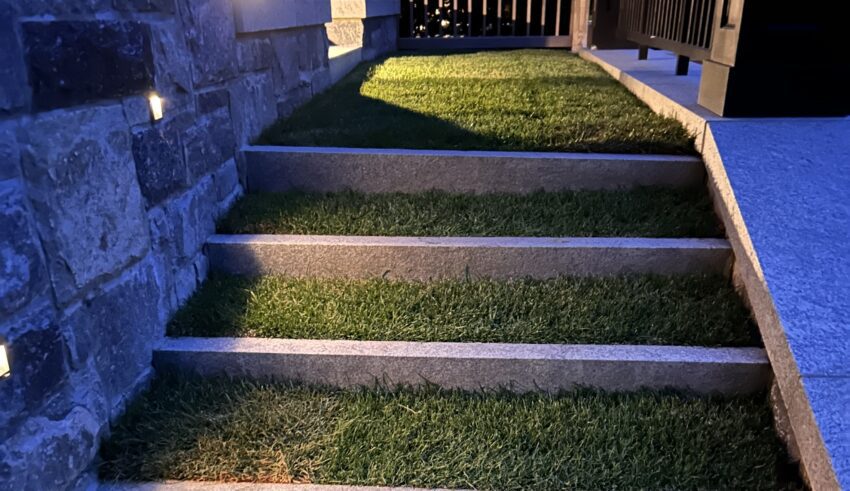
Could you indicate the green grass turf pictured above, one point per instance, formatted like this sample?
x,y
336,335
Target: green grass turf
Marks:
x,y
195,429
643,212
699,311
542,100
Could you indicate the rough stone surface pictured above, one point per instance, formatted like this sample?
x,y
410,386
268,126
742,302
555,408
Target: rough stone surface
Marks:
x,y
361,9
82,184
37,352
159,161
210,35
254,53
380,36
424,258
159,6
376,170
10,155
71,62
273,15
117,330
23,275
345,32
252,105
14,92
210,142
472,366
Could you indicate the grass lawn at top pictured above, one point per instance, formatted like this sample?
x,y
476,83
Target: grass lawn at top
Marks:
x,y
533,100
693,311
195,429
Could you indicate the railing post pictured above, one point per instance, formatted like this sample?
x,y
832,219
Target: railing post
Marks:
x,y
682,63
578,24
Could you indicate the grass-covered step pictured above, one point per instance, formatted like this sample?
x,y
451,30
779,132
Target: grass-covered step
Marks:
x,y
215,429
645,212
533,100
373,170
646,310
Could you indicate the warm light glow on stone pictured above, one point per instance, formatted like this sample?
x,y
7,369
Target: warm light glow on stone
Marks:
x,y
4,362
156,106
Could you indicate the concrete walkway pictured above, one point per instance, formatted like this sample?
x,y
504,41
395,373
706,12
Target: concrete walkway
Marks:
x,y
785,191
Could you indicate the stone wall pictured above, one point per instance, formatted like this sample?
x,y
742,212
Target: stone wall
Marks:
x,y
103,212
369,24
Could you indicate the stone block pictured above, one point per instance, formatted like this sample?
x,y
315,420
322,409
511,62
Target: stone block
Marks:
x,y
115,330
158,6
37,355
159,161
62,7
361,9
173,62
72,62
254,54
82,185
273,15
209,143
10,155
50,454
23,275
14,90
345,32
136,110
253,106
211,36
226,180
211,101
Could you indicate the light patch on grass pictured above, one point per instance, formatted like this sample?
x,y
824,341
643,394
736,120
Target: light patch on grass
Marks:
x,y
692,311
645,212
539,100
195,429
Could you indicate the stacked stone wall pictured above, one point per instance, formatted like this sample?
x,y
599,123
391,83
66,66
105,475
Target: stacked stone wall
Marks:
x,y
103,212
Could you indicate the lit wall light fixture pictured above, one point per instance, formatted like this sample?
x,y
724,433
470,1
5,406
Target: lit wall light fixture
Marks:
x,y
156,106
5,371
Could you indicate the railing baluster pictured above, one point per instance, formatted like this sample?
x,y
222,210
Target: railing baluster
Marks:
x,y
543,19
528,18
558,18
440,17
426,20
454,18
469,18
513,18
484,18
498,12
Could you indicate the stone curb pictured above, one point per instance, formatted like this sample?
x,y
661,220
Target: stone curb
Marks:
x,y
242,486
424,258
328,169
471,366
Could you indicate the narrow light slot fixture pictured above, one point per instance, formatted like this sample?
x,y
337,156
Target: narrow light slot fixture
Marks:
x,y
4,361
156,106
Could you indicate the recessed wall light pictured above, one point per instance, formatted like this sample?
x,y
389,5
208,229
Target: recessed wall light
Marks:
x,y
156,106
5,371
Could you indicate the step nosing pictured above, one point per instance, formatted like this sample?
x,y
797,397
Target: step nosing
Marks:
x,y
531,155
469,351
482,242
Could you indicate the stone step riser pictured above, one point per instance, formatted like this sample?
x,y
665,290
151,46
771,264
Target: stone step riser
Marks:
x,y
278,169
471,366
425,258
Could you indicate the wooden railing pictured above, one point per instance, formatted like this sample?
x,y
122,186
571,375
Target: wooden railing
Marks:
x,y
484,23
681,26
